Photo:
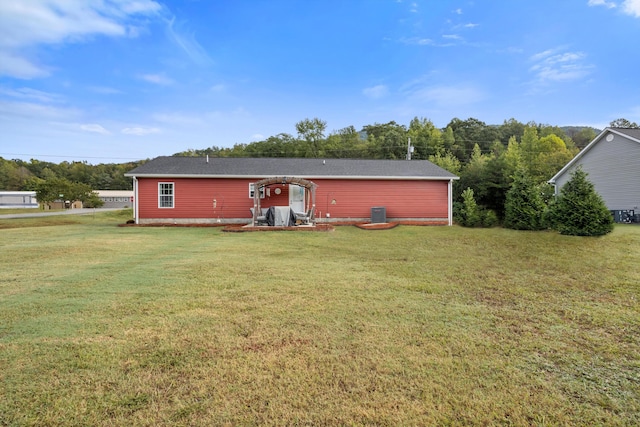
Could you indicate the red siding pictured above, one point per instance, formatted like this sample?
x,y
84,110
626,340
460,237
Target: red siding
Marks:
x,y
402,199
194,198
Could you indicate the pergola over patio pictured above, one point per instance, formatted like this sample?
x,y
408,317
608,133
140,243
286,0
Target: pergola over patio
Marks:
x,y
310,195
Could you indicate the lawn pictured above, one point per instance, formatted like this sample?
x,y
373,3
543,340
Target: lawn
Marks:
x,y
103,325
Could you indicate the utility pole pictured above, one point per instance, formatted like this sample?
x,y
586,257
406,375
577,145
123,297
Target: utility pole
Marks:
x,y
409,149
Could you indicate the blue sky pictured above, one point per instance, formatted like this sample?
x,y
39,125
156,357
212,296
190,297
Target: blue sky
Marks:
x,y
117,80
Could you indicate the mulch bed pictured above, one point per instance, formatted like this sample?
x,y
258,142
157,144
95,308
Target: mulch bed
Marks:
x,y
240,228
377,225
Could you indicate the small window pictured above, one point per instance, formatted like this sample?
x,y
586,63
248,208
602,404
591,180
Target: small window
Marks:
x,y
165,194
252,189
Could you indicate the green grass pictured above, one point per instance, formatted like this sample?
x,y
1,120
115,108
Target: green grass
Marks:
x,y
106,325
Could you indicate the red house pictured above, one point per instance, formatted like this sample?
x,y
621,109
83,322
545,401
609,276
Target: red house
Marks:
x,y
189,190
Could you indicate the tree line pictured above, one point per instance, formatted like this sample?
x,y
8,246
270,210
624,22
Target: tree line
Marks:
x,y
72,181
20,175
487,158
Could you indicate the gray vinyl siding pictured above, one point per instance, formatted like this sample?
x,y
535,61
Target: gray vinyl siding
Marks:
x,y
614,169
18,199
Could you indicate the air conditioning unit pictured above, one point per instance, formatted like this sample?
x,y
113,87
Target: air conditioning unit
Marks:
x,y
378,214
623,216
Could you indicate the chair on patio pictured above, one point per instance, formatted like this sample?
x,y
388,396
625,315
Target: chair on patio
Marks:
x,y
261,219
305,217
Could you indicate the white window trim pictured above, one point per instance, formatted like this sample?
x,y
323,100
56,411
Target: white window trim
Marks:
x,y
172,195
251,190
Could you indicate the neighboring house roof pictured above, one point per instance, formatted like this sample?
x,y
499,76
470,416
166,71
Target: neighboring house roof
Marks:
x,y
17,193
631,134
242,167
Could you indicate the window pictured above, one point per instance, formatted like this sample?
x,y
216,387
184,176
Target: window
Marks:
x,y
165,194
252,189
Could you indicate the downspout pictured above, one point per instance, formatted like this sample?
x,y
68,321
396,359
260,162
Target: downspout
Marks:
x,y
135,199
450,201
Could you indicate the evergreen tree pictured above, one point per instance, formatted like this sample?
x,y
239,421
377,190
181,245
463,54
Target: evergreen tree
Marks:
x,y
524,207
579,210
469,215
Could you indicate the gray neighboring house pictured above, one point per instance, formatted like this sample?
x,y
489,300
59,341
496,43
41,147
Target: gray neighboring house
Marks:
x,y
612,162
18,200
116,198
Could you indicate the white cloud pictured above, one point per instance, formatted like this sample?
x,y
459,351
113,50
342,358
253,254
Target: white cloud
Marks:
x,y
458,11
604,3
376,92
188,43
416,41
30,23
31,94
553,65
178,119
631,7
158,79
257,137
91,127
105,90
140,131
217,88
467,26
30,110
16,66
446,95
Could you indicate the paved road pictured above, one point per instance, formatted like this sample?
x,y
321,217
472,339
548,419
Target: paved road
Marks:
x,y
65,212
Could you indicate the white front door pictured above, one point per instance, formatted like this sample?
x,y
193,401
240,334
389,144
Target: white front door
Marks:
x,y
296,198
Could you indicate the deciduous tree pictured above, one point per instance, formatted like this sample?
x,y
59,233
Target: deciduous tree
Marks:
x,y
623,123
312,131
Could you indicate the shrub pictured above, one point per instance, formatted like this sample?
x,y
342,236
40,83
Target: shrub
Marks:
x,y
469,214
579,210
489,218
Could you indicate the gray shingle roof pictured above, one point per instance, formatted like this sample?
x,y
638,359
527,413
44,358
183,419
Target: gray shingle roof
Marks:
x,y
227,167
632,132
